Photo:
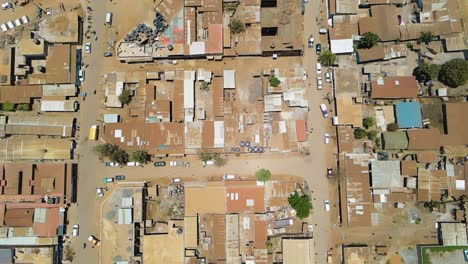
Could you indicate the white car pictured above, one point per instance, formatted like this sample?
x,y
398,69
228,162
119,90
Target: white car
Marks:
x,y
133,164
327,138
7,5
326,204
88,47
100,192
18,22
81,74
319,68
175,180
327,77
324,110
4,27
25,19
229,177
76,230
10,24
319,83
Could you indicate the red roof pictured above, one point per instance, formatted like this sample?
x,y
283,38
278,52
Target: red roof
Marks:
x,y
242,199
214,44
301,132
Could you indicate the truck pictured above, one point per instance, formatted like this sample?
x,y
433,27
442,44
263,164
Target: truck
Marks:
x,y
93,132
109,18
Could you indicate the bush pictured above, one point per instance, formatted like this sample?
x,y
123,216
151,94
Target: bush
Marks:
x,y
125,97
140,156
392,127
368,122
301,204
274,81
359,133
7,106
105,150
237,26
119,156
426,37
368,40
327,58
372,135
23,107
378,142
263,175
454,72
425,72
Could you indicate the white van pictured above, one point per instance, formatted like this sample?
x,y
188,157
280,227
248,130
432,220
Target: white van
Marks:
x,y
109,18
81,74
229,177
18,22
324,109
319,68
4,27
25,19
208,162
323,31
326,204
10,24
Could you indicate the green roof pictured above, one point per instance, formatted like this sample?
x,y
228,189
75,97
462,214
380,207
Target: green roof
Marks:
x,y
395,140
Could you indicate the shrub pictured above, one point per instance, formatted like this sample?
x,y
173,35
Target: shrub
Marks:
x,y
368,122
426,37
119,156
327,58
7,106
237,26
139,156
263,175
301,204
372,135
359,133
392,127
274,81
125,97
23,107
105,150
368,40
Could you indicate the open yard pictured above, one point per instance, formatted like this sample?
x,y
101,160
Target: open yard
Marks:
x,y
432,110
441,254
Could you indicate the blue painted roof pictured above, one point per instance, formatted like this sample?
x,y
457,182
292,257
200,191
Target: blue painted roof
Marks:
x,y
408,114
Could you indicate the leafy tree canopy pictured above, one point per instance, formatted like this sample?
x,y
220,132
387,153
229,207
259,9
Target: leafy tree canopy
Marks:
x,y
301,204
263,175
454,72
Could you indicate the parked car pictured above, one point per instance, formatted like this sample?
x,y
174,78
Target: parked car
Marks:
x,y
7,5
326,204
88,47
229,177
319,83
107,54
107,179
465,254
329,172
18,22
25,19
319,68
133,164
4,27
81,74
94,240
318,48
119,177
208,162
111,164
76,230
311,42
327,77
159,164
327,138
10,24
324,110
100,192
175,180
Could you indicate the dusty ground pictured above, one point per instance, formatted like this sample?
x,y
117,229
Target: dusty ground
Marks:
x,y
452,255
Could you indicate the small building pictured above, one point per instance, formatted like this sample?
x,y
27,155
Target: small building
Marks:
x,y
229,79
395,87
394,140
456,121
32,47
408,114
424,139
111,118
298,250
385,174
59,105
453,234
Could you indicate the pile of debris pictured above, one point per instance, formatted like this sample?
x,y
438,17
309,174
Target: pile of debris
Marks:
x,y
141,34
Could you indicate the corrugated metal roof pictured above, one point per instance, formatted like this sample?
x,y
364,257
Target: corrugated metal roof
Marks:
x,y
6,255
386,174
408,114
229,79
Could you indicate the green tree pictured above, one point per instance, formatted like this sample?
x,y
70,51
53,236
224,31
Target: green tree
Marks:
x,y
378,142
327,58
125,97
392,127
372,135
237,26
139,156
7,106
368,40
359,133
204,86
119,156
454,72
23,107
263,175
368,122
426,37
425,72
301,204
105,150
205,156
274,81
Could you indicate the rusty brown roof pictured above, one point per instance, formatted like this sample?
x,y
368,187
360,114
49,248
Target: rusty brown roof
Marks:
x,y
20,94
395,87
383,22
423,139
409,168
19,217
456,118
178,113
218,96
345,139
60,63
